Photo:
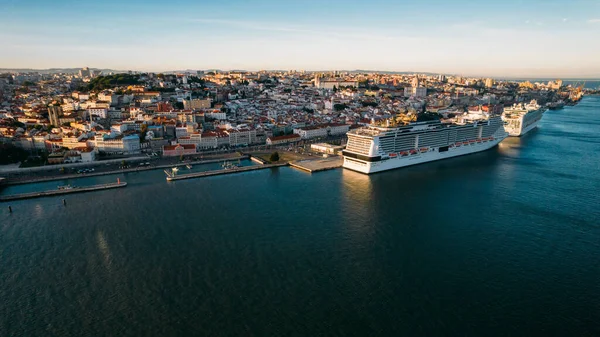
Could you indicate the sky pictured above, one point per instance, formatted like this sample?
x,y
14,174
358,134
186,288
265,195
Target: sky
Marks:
x,y
527,38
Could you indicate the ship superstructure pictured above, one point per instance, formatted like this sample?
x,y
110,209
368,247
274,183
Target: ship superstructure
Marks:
x,y
373,148
522,118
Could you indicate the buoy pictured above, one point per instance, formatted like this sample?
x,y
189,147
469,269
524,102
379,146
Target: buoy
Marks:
x,y
9,209
65,202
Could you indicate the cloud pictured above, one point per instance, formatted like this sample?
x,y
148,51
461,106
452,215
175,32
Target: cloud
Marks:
x,y
527,22
565,20
594,21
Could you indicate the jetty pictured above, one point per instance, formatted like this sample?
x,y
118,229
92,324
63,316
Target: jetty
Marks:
x,y
63,191
173,177
316,165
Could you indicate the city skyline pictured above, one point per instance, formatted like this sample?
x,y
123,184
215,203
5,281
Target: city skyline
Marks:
x,y
510,39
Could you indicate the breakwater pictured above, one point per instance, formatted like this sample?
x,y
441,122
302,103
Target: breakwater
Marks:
x,y
62,191
221,172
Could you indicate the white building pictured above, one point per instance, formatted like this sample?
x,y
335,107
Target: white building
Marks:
x,y
322,130
311,132
216,115
111,98
98,112
181,131
119,144
243,136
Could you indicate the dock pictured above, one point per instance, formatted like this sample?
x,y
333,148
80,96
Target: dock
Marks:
x,y
62,192
220,172
316,165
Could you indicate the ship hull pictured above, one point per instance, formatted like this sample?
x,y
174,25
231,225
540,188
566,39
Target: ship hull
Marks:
x,y
521,133
520,126
419,158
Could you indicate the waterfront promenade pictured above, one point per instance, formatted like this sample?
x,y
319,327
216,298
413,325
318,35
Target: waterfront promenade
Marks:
x,y
316,165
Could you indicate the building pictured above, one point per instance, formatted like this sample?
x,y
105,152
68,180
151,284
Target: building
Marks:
x,y
311,132
215,115
178,150
208,140
85,72
489,82
322,130
338,129
322,83
108,97
119,144
326,148
197,104
242,136
98,112
54,113
283,139
86,154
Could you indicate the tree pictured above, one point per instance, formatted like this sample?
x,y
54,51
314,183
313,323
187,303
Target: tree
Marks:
x,y
335,89
274,157
143,133
339,107
11,154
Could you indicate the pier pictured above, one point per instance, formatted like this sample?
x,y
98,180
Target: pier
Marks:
x,y
62,191
220,172
316,165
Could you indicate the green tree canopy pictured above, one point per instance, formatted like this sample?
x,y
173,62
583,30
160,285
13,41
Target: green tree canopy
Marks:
x,y
274,157
339,106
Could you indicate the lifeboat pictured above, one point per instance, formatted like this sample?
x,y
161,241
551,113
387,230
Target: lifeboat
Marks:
x,y
404,154
478,140
458,144
465,143
424,149
393,155
413,151
472,141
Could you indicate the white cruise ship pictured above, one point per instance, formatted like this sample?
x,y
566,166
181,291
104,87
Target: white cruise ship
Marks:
x,y
520,119
373,149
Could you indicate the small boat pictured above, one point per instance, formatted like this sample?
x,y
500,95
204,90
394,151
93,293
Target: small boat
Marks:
x,y
413,151
393,155
188,166
424,149
65,187
404,153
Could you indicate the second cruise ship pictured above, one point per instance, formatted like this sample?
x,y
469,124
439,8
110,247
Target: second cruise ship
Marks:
x,y
373,148
520,119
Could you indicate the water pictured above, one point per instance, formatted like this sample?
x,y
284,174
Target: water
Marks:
x,y
505,242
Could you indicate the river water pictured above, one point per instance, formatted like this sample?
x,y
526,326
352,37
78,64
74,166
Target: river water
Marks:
x,y
505,242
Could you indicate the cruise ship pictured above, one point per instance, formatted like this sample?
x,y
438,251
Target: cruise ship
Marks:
x,y
520,119
373,148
